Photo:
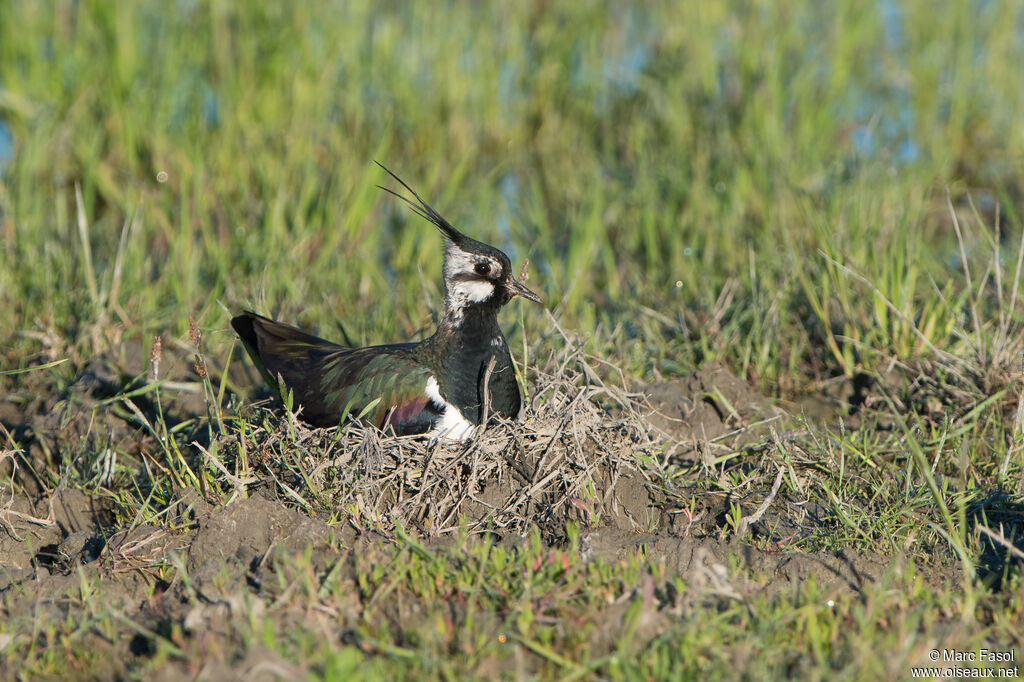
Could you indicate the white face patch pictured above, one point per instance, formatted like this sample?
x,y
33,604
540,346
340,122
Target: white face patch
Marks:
x,y
473,291
459,264
452,425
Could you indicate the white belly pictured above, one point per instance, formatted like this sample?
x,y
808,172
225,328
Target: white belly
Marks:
x,y
452,425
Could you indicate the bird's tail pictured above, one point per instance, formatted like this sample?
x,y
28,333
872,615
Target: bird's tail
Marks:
x,y
279,350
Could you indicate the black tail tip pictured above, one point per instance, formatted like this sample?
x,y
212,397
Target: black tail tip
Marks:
x,y
244,326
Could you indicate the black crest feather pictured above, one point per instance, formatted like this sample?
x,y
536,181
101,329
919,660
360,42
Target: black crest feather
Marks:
x,y
423,209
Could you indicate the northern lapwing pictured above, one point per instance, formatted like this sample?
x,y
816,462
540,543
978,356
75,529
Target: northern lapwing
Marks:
x,y
441,386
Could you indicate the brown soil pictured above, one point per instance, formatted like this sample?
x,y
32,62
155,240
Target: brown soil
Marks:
x,y
516,476
229,551
707,405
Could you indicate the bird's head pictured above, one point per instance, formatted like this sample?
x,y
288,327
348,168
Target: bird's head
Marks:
x,y
474,273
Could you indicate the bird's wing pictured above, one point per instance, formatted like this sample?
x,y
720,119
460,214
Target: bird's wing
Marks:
x,y
352,380
330,381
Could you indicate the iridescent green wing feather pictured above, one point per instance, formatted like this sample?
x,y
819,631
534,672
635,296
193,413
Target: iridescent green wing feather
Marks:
x,y
384,384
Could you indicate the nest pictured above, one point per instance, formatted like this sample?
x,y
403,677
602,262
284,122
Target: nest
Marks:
x,y
577,453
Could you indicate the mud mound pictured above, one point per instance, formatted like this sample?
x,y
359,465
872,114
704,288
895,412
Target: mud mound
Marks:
x,y
709,406
239,536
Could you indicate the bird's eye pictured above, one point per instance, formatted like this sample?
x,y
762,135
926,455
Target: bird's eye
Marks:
x,y
482,268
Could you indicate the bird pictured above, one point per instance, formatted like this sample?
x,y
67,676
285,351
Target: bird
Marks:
x,y
443,387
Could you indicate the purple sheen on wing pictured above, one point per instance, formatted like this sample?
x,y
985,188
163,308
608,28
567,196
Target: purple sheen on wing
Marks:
x,y
400,414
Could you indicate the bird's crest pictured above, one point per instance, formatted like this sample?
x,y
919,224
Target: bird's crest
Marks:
x,y
424,210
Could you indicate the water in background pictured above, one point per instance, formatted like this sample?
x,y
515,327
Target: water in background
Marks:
x,y
6,147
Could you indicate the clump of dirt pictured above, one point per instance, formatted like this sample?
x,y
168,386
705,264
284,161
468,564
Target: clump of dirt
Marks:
x,y
46,532
706,411
240,535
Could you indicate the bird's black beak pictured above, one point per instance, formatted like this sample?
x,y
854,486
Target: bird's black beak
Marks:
x,y
519,289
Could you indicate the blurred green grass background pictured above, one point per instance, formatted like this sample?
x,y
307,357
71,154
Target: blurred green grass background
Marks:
x,y
674,171
761,183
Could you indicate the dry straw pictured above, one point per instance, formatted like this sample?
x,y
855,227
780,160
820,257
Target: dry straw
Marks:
x,y
566,458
